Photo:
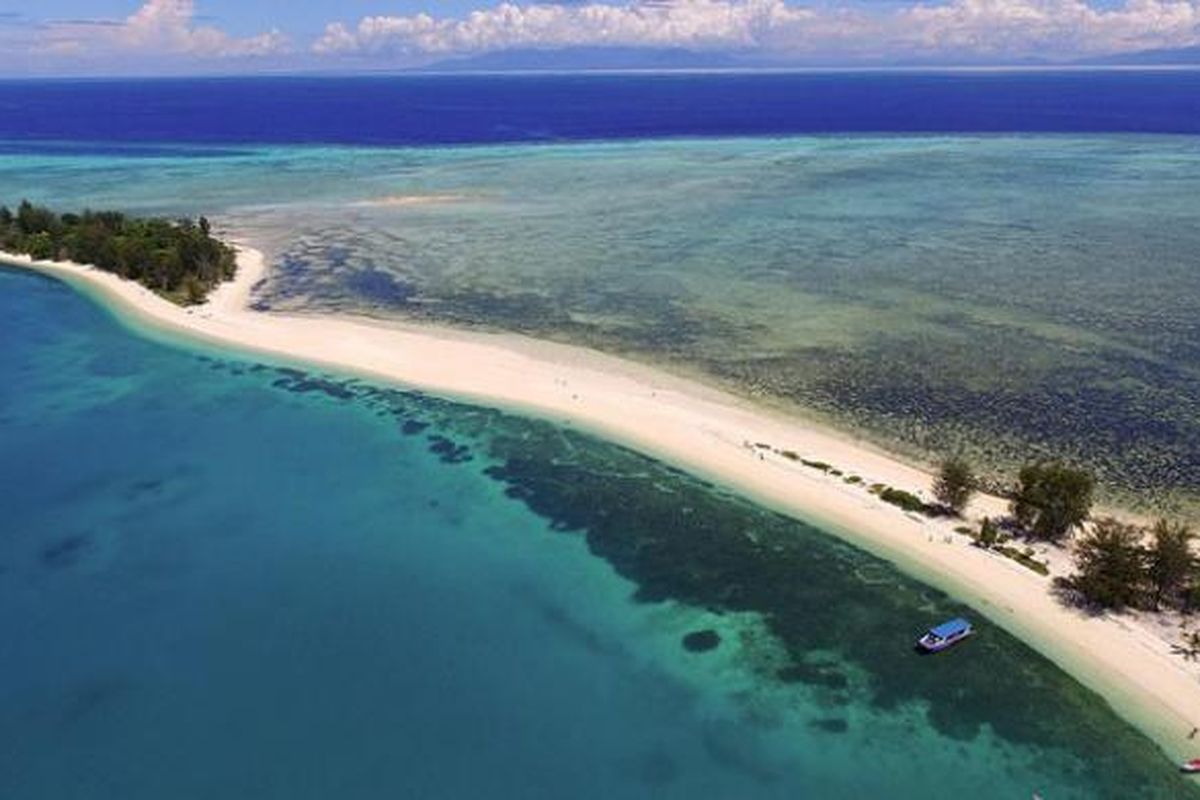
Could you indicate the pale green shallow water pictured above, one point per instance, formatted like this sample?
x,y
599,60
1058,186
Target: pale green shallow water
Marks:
x,y
1012,297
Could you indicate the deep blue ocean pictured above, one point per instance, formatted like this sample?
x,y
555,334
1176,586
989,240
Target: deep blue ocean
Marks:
x,y
457,109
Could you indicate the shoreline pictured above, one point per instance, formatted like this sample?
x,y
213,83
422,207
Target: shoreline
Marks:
x,y
708,432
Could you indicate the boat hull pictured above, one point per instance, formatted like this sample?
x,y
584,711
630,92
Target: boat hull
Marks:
x,y
930,644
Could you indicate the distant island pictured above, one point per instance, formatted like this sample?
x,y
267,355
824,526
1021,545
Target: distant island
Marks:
x,y
178,259
1162,57
589,58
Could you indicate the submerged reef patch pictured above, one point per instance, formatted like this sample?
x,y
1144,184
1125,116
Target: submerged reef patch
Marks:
x,y
301,383
65,552
701,641
831,725
448,451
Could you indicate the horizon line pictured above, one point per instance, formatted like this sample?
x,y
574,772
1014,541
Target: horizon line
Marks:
x,y
613,71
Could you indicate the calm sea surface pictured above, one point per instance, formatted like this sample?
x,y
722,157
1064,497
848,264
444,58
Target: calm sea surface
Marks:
x,y
460,109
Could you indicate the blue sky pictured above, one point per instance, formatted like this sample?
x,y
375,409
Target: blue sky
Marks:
x,y
243,17
173,36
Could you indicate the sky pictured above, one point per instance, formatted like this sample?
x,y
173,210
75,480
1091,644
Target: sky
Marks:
x,y
97,37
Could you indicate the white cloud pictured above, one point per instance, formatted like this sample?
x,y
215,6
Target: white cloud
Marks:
x,y
962,28
159,27
1048,27
702,24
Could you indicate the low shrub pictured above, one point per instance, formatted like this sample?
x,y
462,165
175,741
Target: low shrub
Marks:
x,y
1024,559
905,500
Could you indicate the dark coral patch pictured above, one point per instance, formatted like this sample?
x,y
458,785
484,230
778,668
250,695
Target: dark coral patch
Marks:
x,y
831,725
701,641
448,451
294,380
801,672
64,552
412,427
147,487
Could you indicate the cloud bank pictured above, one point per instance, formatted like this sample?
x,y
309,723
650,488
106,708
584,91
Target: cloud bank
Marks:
x,y
168,33
158,28
701,24
975,29
1049,27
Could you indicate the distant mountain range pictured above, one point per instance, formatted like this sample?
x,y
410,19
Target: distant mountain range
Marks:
x,y
1177,56
647,58
590,58
644,58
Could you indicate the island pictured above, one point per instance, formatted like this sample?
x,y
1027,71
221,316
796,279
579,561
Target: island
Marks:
x,y
179,259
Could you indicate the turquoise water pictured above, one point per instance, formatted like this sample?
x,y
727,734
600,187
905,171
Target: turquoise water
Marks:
x,y
227,579
1010,296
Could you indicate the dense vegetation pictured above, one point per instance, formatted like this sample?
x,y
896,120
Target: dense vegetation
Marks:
x,y
1121,565
179,259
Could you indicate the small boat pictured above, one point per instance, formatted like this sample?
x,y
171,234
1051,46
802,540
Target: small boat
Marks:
x,y
945,635
1192,765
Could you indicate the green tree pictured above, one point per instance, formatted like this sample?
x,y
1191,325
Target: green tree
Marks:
x,y
1169,560
1052,498
194,290
33,219
954,485
40,245
127,256
989,533
1110,561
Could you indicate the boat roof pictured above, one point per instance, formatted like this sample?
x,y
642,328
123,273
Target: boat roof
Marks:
x,y
950,627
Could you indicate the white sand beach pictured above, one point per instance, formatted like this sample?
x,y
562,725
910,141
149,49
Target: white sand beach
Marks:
x,y
713,434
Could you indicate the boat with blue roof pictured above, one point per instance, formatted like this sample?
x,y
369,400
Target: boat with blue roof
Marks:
x,y
948,634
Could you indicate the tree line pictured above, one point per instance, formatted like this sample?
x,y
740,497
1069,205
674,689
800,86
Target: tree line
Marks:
x,y
179,259
1118,564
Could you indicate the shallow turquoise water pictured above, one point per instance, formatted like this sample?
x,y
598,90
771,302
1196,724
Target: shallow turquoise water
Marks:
x,y
1012,297
225,579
